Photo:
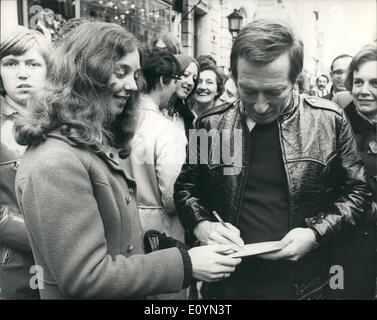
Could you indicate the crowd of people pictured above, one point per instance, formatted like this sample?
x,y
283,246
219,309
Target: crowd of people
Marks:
x,y
108,186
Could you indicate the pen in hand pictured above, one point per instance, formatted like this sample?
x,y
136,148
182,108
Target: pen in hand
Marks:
x,y
224,224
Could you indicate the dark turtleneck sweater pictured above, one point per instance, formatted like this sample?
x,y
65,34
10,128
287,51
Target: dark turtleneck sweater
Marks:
x,y
264,217
265,211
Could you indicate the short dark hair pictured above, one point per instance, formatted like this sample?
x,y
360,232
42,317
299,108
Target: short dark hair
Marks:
x,y
322,75
158,63
263,40
341,56
204,57
366,54
209,65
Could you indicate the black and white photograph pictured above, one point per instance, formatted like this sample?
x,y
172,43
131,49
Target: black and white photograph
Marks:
x,y
188,153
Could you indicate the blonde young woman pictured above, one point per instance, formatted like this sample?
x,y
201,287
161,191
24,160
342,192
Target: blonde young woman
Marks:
x,y
24,56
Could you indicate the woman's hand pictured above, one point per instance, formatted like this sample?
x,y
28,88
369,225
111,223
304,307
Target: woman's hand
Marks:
x,y
211,263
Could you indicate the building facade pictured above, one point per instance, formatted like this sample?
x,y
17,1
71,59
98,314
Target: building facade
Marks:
x,y
203,27
200,25
144,18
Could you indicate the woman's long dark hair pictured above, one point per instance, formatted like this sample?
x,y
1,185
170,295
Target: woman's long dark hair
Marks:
x,y
77,98
183,107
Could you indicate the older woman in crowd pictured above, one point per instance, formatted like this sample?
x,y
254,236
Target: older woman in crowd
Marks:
x,y
362,111
210,87
79,202
358,256
24,55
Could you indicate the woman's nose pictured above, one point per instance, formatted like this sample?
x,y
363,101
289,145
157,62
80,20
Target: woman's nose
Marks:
x,y
202,85
130,84
190,81
22,72
365,88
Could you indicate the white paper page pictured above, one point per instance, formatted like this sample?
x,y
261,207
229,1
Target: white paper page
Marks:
x,y
257,248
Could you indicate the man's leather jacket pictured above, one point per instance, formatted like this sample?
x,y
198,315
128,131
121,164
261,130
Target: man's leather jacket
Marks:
x,y
326,179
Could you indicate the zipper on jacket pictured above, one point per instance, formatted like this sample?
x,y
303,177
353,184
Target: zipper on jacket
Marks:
x,y
287,176
6,256
244,178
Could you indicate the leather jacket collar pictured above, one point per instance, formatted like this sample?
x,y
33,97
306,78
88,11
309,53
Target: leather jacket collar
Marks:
x,y
288,111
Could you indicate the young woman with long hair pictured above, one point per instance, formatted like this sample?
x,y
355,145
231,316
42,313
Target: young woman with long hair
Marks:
x,y
78,200
24,55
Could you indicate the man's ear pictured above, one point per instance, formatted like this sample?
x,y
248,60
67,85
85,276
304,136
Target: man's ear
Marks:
x,y
2,89
161,84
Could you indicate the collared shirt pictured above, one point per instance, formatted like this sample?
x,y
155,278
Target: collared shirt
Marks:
x,y
250,123
145,102
175,118
9,107
158,152
8,114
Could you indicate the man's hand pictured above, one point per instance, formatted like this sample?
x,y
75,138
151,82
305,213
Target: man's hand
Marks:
x,y
295,245
215,233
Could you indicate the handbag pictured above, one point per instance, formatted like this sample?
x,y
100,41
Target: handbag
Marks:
x,y
155,240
